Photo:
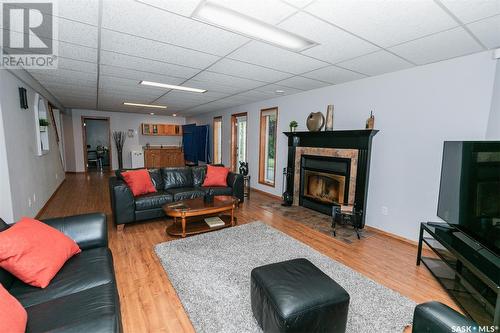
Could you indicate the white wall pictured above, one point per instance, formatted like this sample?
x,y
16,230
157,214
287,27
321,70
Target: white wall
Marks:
x,y
119,121
415,110
6,212
31,177
493,132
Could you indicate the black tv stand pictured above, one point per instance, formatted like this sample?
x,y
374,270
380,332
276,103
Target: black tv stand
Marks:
x,y
466,270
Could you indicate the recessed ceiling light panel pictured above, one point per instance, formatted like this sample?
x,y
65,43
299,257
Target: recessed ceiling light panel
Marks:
x,y
171,86
229,19
145,105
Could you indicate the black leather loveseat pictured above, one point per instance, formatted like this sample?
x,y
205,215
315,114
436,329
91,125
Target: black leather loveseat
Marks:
x,y
82,297
172,184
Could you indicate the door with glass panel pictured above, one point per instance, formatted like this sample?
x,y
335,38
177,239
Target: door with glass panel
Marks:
x,y
238,139
267,146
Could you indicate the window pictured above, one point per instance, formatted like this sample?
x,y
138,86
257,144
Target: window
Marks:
x,y
217,137
238,139
267,147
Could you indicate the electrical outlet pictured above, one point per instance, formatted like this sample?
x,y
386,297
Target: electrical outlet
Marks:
x,y
29,202
385,210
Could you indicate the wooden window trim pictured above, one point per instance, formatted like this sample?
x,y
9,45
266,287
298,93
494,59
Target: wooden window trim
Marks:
x,y
234,117
216,119
262,149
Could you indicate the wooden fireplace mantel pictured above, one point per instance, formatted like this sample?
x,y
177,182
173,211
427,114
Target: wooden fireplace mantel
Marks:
x,y
360,140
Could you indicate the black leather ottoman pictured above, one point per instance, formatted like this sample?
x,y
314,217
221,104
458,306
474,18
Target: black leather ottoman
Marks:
x,y
296,296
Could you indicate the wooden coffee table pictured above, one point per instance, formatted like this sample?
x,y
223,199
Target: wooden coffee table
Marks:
x,y
192,213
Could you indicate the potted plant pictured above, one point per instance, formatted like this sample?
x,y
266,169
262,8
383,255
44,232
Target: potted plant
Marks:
x,y
293,125
43,124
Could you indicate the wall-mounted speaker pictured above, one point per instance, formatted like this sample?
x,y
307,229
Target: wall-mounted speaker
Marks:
x,y
23,98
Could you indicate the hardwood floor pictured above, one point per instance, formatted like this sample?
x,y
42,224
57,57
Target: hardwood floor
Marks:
x,y
148,300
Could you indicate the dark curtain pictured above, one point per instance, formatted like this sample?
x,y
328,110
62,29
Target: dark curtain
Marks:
x,y
195,142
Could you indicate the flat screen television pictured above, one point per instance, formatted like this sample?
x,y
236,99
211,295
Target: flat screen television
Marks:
x,y
469,193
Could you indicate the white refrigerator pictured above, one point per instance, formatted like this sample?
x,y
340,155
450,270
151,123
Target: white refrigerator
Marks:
x,y
137,159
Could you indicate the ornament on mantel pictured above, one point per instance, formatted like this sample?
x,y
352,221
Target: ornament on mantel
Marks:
x,y
370,122
329,118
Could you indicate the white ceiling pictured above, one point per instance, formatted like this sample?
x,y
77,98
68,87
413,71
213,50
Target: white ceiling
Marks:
x,y
107,46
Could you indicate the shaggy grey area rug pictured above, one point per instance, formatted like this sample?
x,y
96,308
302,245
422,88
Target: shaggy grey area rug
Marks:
x,y
211,274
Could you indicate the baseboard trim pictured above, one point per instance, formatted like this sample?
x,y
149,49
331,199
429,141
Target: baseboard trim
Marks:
x,y
265,193
394,236
74,172
42,210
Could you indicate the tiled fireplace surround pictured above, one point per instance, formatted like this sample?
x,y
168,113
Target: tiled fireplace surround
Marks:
x,y
352,154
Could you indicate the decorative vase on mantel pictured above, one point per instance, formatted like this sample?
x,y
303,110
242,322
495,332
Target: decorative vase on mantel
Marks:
x,y
329,118
315,121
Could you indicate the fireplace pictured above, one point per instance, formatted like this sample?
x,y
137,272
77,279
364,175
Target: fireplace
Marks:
x,y
324,182
337,150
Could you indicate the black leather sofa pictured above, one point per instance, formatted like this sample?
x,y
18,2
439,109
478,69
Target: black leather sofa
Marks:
x,y
172,184
82,297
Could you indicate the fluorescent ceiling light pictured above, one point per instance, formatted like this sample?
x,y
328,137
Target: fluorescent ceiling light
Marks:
x,y
145,105
152,113
171,86
232,20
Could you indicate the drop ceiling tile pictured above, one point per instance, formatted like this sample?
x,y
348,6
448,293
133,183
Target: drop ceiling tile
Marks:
x,y
70,75
144,48
76,104
384,23
77,65
488,31
276,58
259,95
79,10
299,3
77,33
449,44
184,7
302,83
77,52
212,86
131,74
83,87
74,93
183,97
145,21
146,65
245,70
335,45
376,63
227,80
269,11
472,10
126,85
272,88
66,82
334,75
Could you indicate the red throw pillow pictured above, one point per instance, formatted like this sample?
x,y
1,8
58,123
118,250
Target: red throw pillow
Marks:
x,y
34,252
139,181
14,316
216,176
